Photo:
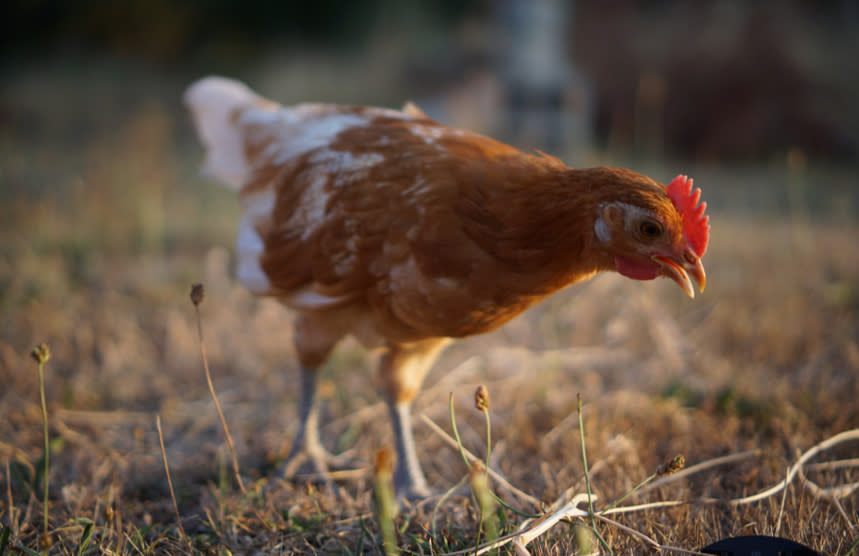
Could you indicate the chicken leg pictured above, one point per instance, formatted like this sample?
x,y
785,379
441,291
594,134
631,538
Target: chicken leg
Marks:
x,y
401,371
314,338
306,447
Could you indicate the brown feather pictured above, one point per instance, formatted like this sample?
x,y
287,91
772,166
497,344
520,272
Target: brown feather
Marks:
x,y
450,234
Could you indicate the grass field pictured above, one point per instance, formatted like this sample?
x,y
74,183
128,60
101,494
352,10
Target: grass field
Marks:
x,y
105,226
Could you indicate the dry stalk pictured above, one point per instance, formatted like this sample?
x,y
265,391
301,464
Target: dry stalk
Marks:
x,y
780,512
591,496
540,526
41,354
13,522
170,484
830,493
835,464
197,295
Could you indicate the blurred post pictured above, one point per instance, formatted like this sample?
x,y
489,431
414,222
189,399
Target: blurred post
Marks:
x,y
548,102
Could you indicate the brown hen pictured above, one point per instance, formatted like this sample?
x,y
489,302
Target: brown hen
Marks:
x,y
407,233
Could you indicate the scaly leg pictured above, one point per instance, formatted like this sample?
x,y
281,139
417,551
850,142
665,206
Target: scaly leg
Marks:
x,y
409,480
306,446
315,336
402,370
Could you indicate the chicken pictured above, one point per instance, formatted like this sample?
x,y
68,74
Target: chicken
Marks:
x,y
407,233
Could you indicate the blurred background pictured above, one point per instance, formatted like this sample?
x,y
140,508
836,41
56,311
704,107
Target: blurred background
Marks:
x,y
713,82
105,223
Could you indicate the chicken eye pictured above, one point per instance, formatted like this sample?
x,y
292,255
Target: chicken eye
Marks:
x,y
650,229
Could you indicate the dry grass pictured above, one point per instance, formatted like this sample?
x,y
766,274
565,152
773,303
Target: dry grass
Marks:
x,y
765,365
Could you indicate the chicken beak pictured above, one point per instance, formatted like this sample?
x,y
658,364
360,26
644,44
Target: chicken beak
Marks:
x,y
691,266
696,271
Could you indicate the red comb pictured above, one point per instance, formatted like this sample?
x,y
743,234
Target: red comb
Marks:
x,y
696,227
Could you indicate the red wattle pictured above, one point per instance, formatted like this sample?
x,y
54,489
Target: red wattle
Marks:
x,y
636,269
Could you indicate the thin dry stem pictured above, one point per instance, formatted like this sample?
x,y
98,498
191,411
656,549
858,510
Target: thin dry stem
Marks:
x,y
170,484
835,464
230,445
13,523
41,354
587,475
780,512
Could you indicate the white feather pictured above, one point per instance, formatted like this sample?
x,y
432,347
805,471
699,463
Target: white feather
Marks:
x,y
631,215
302,129
213,102
601,230
249,244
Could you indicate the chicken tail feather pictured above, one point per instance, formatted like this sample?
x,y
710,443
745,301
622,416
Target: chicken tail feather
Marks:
x,y
215,104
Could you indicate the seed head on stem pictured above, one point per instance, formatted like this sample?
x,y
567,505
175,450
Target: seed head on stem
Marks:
x,y
198,293
481,398
673,465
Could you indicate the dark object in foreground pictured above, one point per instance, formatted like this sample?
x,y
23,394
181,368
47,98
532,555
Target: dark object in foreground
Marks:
x,y
758,545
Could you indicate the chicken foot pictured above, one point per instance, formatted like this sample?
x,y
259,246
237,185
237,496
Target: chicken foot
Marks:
x,y
307,449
